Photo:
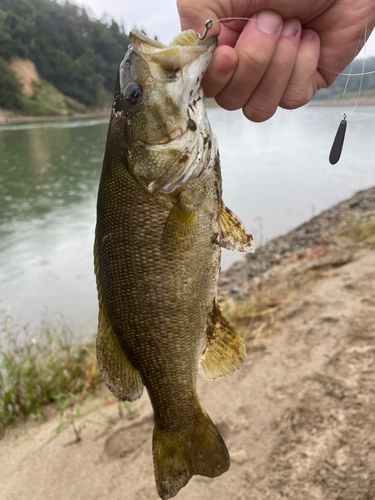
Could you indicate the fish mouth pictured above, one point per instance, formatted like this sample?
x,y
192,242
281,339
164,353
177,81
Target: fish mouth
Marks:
x,y
193,102
186,131
191,60
194,152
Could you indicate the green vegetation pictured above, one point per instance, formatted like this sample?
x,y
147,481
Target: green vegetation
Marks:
x,y
360,231
252,316
39,369
48,101
335,92
77,55
10,87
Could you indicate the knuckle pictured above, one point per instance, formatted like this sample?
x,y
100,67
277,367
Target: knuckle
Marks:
x,y
228,101
295,97
257,112
255,62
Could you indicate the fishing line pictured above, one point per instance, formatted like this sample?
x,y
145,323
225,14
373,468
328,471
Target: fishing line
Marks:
x,y
338,141
209,23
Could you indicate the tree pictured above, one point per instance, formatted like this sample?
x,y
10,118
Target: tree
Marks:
x,y
10,87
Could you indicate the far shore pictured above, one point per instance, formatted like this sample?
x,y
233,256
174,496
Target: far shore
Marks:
x,y
365,101
10,117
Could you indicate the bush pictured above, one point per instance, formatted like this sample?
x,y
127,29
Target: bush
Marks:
x,y
40,369
10,87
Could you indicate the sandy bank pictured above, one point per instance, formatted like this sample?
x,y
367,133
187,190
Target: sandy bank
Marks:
x,y
298,419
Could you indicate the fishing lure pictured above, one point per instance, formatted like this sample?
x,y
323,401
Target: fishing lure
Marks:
x,y
338,142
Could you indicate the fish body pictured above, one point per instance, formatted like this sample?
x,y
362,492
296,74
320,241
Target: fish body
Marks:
x,y
161,223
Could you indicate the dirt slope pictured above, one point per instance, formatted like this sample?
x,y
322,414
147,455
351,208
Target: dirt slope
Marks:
x,y
27,74
298,419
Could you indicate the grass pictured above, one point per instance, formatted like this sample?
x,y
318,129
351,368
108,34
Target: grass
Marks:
x,y
48,101
360,231
252,316
37,369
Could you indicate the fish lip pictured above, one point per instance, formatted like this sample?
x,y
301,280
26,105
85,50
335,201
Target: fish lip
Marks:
x,y
212,40
134,33
163,141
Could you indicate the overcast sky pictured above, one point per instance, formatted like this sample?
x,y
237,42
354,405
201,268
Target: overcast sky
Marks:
x,y
156,17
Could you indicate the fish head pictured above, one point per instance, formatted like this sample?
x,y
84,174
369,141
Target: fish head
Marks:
x,y
158,115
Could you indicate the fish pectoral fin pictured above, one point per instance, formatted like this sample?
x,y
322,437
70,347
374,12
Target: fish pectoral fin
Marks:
x,y
225,352
181,226
234,235
179,455
121,378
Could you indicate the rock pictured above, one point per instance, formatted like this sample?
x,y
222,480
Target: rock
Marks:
x,y
239,457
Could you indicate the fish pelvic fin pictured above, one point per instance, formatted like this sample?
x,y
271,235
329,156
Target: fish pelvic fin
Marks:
x,y
178,456
225,351
119,375
234,235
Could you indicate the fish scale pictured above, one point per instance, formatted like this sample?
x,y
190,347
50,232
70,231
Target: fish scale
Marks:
x,y
161,223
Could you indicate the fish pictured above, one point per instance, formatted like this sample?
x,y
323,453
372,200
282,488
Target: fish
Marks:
x,y
161,224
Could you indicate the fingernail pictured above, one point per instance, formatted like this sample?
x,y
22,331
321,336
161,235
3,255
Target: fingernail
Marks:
x,y
269,22
290,27
309,35
223,63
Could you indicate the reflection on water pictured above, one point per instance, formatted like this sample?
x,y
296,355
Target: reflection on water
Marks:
x,y
275,176
49,175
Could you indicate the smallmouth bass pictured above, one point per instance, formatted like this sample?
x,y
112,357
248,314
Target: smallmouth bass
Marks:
x,y
161,224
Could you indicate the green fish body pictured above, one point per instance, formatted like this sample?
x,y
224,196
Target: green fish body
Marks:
x,y
161,223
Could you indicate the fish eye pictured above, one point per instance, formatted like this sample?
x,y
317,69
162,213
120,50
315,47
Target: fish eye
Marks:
x,y
133,93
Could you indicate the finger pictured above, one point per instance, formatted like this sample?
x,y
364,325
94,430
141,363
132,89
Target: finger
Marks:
x,y
193,18
255,48
220,70
265,99
305,80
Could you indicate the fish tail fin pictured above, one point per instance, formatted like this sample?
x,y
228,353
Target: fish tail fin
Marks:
x,y
179,455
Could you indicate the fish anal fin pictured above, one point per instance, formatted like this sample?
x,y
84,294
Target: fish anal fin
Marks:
x,y
182,225
198,450
225,352
234,235
121,378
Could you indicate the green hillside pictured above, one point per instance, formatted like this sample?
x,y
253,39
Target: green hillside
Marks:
x,y
77,55
77,59
335,92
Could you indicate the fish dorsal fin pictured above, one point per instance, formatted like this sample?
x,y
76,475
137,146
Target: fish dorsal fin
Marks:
x,y
225,352
121,378
234,235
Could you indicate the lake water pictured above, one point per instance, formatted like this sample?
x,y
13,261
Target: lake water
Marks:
x,y
276,175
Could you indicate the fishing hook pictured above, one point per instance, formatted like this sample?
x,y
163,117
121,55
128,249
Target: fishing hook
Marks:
x,y
208,25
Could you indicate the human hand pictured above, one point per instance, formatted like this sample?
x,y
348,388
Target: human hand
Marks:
x,y
273,61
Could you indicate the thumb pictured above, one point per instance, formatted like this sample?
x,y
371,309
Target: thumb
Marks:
x,y
193,18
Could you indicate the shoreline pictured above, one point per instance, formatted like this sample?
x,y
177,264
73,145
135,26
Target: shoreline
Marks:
x,y
297,418
8,118
319,232
365,101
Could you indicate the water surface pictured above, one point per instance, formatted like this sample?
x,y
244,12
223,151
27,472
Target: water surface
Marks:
x,y
276,175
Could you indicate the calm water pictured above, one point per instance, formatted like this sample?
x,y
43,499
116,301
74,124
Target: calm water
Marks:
x,y
275,176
